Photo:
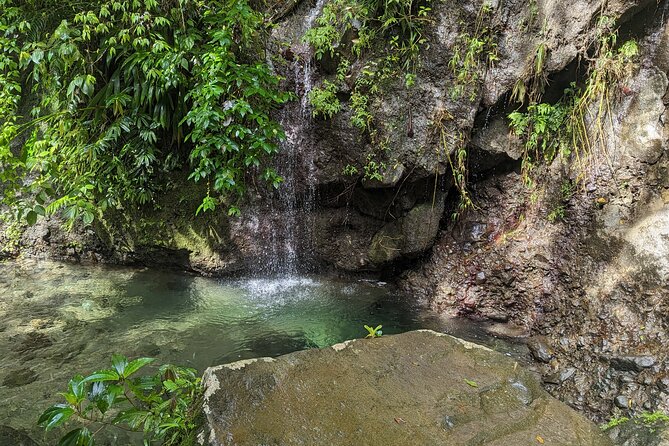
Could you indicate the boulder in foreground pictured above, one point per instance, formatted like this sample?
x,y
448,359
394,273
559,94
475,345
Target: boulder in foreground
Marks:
x,y
417,388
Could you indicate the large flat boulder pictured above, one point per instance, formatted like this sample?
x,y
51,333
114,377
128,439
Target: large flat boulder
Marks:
x,y
417,388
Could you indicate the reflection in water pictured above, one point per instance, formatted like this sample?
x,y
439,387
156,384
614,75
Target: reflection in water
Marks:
x,y
57,320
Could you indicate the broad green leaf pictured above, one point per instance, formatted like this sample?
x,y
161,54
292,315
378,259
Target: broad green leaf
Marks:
x,y
31,217
77,387
77,437
119,363
55,415
102,375
87,217
170,385
135,365
132,417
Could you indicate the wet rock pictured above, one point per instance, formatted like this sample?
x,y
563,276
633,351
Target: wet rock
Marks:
x,y
663,383
496,315
635,433
497,141
539,349
13,437
559,377
632,363
18,378
551,378
355,392
407,236
566,374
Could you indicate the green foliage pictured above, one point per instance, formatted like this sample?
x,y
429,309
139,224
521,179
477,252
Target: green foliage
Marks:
x,y
652,418
473,53
613,422
373,168
648,419
399,20
130,91
532,83
361,117
350,170
374,332
324,101
453,148
556,214
544,128
12,232
164,406
574,126
396,24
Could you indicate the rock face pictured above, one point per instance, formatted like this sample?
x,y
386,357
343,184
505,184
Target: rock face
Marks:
x,y
353,222
418,388
593,282
634,433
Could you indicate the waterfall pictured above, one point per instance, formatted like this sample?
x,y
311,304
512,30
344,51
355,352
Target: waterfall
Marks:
x,y
290,216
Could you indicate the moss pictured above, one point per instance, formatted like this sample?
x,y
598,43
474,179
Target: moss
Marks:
x,y
172,225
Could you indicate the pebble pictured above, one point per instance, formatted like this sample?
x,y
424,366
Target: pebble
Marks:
x,y
632,363
480,277
539,349
621,402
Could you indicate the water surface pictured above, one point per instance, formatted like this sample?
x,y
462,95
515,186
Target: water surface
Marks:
x,y
58,319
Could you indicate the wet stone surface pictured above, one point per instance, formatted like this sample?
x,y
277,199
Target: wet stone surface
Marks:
x,y
418,388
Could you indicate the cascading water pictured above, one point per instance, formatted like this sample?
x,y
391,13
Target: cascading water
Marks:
x,y
288,249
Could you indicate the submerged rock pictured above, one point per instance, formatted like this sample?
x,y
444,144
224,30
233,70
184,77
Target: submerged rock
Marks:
x,y
13,437
418,388
18,378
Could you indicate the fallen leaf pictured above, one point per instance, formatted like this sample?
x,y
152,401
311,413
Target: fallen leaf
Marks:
x,y
540,440
471,383
399,421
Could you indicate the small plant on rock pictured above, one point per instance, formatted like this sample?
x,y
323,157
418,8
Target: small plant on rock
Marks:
x,y
373,332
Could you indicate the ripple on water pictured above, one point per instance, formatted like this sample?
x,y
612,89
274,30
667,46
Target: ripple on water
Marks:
x,y
60,319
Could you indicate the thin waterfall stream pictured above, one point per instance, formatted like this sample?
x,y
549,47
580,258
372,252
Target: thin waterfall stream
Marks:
x,y
289,244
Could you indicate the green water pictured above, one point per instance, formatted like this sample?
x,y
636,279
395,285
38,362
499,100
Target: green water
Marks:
x,y
58,319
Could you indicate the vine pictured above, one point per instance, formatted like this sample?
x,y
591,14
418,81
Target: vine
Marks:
x,y
398,22
388,35
454,147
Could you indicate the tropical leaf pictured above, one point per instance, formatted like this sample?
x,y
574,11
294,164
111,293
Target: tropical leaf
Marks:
x,y
55,415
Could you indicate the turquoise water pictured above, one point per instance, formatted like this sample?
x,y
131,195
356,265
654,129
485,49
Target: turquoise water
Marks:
x,y
58,319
